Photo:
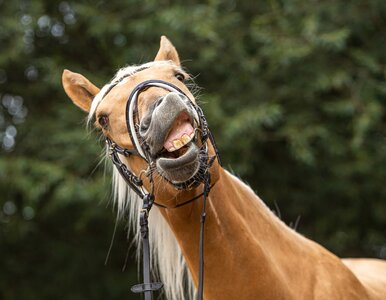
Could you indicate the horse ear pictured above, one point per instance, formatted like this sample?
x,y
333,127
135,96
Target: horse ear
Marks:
x,y
167,51
80,90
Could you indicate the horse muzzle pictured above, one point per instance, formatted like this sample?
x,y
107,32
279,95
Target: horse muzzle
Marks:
x,y
169,129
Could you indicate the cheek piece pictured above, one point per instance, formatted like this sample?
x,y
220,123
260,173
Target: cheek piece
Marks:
x,y
136,184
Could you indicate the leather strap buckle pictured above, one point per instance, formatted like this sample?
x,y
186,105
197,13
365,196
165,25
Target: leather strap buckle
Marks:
x,y
145,287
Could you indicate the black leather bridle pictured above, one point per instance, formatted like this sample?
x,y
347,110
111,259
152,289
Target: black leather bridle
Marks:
x,y
136,184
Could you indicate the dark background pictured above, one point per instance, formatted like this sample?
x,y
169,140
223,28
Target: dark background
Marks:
x,y
294,91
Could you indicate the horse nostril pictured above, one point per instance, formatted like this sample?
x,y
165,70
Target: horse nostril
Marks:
x,y
144,126
158,102
145,123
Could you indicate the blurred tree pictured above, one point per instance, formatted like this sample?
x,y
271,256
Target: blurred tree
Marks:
x,y
297,87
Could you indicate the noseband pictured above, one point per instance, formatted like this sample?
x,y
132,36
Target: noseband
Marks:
x,y
142,149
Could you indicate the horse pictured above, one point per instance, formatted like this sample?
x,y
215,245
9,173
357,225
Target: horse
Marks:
x,y
249,252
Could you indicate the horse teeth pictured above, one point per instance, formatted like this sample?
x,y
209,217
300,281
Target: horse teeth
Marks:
x,y
185,139
192,135
177,144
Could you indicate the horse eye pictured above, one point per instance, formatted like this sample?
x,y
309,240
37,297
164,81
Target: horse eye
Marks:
x,y
103,121
180,77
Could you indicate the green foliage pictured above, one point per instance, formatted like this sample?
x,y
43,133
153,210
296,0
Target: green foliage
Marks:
x,y
294,91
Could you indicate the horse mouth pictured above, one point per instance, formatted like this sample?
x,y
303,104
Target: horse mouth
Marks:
x,y
178,160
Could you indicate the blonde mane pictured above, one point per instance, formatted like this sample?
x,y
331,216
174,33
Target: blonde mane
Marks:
x,y
167,260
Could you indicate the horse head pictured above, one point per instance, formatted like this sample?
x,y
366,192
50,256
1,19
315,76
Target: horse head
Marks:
x,y
151,109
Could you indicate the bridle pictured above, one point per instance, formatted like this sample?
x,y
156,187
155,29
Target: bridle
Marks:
x,y
142,149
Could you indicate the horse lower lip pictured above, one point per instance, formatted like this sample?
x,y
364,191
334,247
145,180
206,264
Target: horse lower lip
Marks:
x,y
188,157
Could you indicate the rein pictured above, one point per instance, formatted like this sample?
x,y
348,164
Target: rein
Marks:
x,y
136,184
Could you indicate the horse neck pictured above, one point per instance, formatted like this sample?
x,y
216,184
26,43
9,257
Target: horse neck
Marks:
x,y
243,240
